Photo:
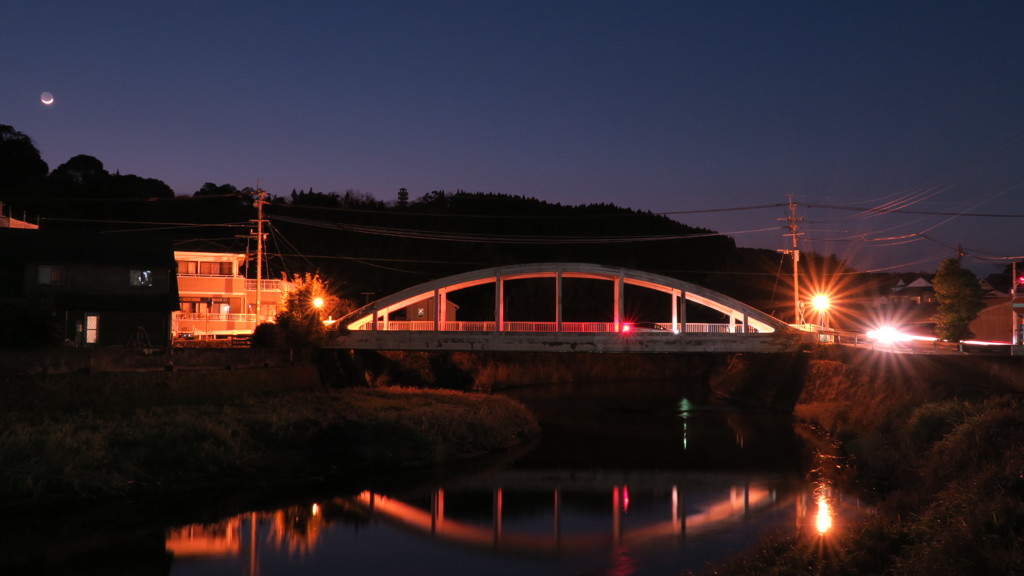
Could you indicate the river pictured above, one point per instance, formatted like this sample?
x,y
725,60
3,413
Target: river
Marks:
x,y
628,478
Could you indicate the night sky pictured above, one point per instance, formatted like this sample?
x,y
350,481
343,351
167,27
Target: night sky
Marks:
x,y
706,110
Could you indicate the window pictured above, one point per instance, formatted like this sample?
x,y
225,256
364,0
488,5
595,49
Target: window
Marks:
x,y
92,328
186,267
51,274
140,277
215,268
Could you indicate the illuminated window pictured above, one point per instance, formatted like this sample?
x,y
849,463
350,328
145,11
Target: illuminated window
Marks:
x,y
51,274
92,328
140,277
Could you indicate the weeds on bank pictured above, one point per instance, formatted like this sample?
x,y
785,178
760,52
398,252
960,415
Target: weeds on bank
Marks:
x,y
87,437
949,473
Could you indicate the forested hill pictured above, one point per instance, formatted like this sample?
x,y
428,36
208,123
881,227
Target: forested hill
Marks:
x,y
382,248
360,244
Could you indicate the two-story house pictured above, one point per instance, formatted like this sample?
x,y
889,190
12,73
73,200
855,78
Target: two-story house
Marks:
x,y
98,289
217,301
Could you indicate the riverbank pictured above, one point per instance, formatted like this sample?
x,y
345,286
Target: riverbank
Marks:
x,y
938,443
74,437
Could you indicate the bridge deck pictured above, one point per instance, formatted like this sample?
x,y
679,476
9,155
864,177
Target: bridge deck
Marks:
x,y
640,342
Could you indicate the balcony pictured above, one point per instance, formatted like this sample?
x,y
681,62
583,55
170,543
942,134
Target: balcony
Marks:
x,y
205,325
264,285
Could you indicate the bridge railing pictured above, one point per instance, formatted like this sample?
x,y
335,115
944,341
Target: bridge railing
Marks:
x,y
706,328
586,327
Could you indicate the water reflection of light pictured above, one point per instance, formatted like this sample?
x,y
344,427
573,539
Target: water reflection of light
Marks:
x,y
508,534
823,520
199,540
684,412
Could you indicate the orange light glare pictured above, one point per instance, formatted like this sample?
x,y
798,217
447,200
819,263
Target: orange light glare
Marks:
x,y
820,302
887,335
318,302
823,520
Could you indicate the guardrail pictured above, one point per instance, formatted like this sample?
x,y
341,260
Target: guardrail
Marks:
x,y
516,326
912,344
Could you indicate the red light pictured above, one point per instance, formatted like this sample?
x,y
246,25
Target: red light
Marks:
x,y
627,327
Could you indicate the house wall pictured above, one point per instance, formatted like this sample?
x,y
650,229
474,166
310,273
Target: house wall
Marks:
x,y
425,310
126,314
211,285
136,329
995,322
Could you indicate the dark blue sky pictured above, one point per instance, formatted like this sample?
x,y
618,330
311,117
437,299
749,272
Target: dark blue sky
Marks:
x,y
662,106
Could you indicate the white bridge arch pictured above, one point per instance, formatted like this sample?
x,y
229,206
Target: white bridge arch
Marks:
x,y
746,329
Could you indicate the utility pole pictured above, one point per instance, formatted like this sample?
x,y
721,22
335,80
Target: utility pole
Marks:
x,y
1015,327
260,201
794,226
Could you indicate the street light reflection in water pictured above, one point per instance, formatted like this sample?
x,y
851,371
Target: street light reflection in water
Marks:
x,y
823,519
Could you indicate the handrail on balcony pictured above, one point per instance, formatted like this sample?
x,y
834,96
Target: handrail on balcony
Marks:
x,y
213,317
270,285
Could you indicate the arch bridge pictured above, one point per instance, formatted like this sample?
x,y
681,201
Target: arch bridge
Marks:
x,y
386,324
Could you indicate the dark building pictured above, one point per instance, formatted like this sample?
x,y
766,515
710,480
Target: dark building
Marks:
x,y
105,289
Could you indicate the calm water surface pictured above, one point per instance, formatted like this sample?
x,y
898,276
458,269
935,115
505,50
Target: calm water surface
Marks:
x,y
630,478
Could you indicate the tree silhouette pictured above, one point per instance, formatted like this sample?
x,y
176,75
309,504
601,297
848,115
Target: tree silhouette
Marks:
x,y
960,300
22,169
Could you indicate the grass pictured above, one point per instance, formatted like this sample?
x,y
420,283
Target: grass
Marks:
x,y
86,436
946,463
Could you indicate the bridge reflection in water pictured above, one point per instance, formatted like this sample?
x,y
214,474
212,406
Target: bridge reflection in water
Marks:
x,y
523,538
522,521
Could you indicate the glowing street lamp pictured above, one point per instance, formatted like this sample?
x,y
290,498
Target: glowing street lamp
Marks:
x,y
318,303
821,303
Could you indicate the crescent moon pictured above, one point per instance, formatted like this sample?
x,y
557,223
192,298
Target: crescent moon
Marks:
x,y
46,98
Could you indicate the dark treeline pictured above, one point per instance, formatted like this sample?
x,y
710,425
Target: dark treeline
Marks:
x,y
367,247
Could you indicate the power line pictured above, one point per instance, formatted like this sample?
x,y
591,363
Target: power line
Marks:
x,y
905,211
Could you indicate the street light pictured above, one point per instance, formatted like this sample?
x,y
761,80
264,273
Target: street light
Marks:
x,y
821,304
318,305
